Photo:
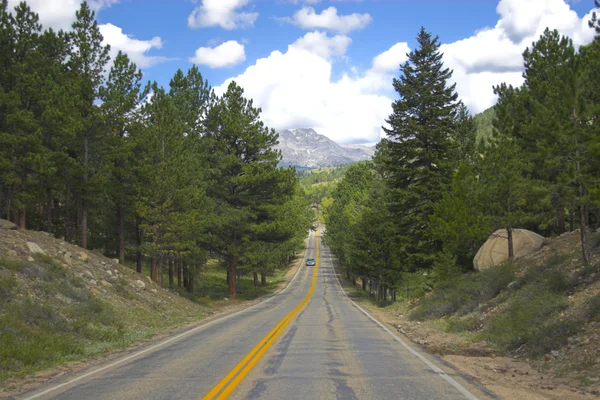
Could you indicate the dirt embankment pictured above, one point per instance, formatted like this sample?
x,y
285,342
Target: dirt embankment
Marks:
x,y
63,308
530,330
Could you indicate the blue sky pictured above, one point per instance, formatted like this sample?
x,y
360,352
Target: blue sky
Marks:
x,y
326,64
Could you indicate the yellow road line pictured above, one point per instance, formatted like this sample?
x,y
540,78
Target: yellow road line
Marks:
x,y
227,385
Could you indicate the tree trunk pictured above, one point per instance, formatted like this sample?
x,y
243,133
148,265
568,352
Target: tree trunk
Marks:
x,y
138,243
364,283
185,277
179,282
232,277
160,269
68,215
511,252
263,278
121,219
585,247
153,274
22,217
49,203
171,278
560,214
255,276
190,282
84,210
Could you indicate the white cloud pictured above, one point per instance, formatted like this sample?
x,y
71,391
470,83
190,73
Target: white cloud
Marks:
x,y
226,54
391,59
60,14
329,19
321,44
136,49
221,13
494,55
295,90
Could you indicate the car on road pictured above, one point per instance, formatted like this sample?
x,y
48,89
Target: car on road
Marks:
x,y
310,262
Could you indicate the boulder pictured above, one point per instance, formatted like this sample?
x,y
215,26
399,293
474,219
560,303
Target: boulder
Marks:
x,y
35,248
83,256
139,284
495,250
7,225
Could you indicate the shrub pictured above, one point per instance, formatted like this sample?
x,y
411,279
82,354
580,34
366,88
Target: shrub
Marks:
x,y
531,319
463,294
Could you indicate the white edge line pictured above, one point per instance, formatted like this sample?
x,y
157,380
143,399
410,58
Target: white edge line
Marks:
x,y
122,360
431,365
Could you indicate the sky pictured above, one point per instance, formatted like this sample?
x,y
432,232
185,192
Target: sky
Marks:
x,y
326,64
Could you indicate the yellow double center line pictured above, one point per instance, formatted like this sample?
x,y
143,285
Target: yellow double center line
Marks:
x,y
224,388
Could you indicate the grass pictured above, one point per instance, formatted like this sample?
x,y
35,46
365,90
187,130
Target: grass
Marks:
x,y
48,316
528,317
464,293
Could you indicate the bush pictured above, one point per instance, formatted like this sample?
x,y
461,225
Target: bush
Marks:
x,y
531,319
468,323
462,294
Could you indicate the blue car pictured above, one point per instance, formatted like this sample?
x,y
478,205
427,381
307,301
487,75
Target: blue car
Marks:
x,y
310,261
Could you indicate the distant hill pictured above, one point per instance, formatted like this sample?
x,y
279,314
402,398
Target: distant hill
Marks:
x,y
483,123
306,148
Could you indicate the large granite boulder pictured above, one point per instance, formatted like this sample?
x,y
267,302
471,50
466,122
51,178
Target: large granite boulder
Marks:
x,y
495,250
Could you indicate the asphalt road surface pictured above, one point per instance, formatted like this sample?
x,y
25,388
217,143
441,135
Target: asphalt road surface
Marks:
x,y
308,342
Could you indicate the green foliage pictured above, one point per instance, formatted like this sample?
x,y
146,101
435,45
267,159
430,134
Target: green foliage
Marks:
x,y
462,294
531,319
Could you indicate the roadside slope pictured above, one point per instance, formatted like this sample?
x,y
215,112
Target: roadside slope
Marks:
x,y
60,306
528,329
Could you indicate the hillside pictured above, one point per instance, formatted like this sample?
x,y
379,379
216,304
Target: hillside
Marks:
x,y
307,148
59,303
483,123
531,328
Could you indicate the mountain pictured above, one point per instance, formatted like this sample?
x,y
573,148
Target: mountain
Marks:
x,y
483,123
307,148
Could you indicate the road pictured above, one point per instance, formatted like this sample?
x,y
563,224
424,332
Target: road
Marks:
x,y
308,342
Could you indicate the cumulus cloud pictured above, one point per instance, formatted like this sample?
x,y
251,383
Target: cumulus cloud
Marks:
x,y
60,14
494,55
136,49
391,59
224,55
329,19
223,13
295,89
321,44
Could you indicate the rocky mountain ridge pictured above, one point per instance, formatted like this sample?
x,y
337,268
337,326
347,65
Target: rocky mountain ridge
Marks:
x,y
306,148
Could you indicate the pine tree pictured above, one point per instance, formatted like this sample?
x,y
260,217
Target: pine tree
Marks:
x,y
87,61
121,97
243,175
422,133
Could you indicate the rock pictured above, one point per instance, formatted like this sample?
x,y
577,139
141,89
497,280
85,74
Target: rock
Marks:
x,y
154,291
30,259
109,272
105,284
513,285
62,250
116,272
115,260
11,253
7,225
139,284
83,256
35,248
89,273
68,258
103,263
495,250
226,299
92,282
555,354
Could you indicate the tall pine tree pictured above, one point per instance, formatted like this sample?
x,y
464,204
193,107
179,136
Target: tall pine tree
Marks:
x,y
420,149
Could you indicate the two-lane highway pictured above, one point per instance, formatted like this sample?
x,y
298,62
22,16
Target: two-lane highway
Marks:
x,y
307,342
